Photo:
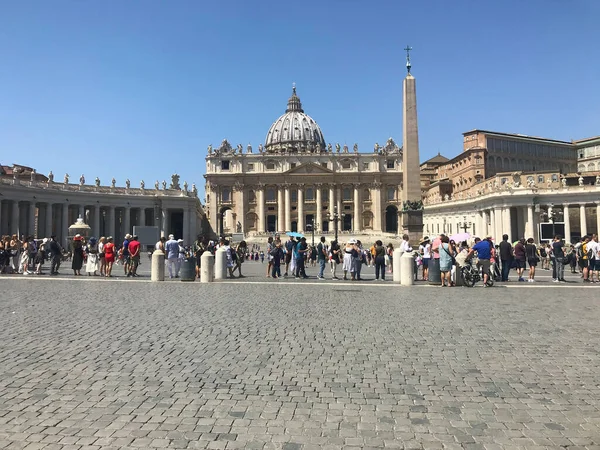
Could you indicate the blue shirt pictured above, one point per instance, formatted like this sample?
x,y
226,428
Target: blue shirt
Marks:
x,y
483,250
172,248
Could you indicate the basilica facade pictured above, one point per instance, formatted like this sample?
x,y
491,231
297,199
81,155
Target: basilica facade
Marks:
x,y
298,182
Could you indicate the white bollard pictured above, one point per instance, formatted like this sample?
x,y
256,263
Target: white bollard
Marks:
x,y
396,265
158,266
207,268
408,269
221,264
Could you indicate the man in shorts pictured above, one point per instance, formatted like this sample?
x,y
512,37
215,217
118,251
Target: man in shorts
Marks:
x,y
484,253
134,248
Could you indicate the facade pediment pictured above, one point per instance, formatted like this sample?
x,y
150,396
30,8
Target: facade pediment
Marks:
x,y
310,169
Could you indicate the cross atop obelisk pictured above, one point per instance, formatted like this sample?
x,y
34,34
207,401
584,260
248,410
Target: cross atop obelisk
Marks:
x,y
408,65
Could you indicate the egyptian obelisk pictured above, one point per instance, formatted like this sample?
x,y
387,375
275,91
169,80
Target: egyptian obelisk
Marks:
x,y
412,204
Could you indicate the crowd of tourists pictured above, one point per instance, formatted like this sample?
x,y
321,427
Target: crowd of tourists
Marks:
x,y
97,257
485,260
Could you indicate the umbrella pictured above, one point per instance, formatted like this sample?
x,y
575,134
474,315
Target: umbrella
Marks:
x,y
295,234
459,237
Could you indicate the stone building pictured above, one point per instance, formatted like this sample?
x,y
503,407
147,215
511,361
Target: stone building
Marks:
x,y
515,184
36,205
297,180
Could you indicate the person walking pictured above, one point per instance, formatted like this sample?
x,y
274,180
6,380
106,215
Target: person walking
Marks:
x,y
446,259
77,262
558,250
379,251
172,256
321,257
520,258
109,256
277,256
270,247
91,265
532,255
506,256
241,252
56,251
334,258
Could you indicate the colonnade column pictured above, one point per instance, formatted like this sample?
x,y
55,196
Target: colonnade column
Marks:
x,y
65,223
492,223
356,223
14,220
376,206
506,223
127,221
165,215
261,209
187,239
49,215
31,224
300,208
111,221
288,209
529,228
567,223
598,218
280,210
582,220
319,199
81,212
338,202
96,228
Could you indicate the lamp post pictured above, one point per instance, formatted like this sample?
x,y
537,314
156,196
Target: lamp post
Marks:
x,y
312,230
335,218
465,225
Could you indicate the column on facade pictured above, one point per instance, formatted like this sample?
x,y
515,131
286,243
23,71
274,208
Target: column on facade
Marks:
x,y
582,220
164,220
96,228
111,221
319,206
598,218
529,228
48,225
300,208
260,198
280,210
331,198
31,221
338,202
506,223
187,239
288,209
65,223
567,223
356,222
241,208
492,230
127,220
376,206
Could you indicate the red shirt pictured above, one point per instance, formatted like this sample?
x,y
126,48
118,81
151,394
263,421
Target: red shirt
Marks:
x,y
134,247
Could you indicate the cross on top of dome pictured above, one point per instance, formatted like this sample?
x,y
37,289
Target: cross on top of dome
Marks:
x,y
294,101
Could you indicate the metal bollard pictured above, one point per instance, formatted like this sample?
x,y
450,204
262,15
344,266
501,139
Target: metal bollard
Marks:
x,y
207,268
158,266
397,265
408,269
221,264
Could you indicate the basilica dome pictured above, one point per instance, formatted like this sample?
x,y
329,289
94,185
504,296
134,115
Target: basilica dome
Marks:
x,y
295,131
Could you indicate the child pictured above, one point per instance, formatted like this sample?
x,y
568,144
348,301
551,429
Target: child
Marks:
x,y
277,254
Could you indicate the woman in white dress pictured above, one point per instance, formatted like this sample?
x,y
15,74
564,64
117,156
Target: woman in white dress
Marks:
x,y
349,252
91,266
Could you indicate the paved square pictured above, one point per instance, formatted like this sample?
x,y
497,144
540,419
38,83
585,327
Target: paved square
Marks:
x,y
99,364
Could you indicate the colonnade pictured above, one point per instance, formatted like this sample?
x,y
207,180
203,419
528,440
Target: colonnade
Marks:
x,y
517,221
44,219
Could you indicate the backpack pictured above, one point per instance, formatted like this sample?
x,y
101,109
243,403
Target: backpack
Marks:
x,y
580,251
543,252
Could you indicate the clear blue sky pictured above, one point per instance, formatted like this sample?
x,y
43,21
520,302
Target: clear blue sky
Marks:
x,y
138,89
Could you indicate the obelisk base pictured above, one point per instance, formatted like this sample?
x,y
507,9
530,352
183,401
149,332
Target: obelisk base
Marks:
x,y
412,224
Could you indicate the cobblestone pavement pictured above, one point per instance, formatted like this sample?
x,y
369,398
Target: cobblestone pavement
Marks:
x,y
99,364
